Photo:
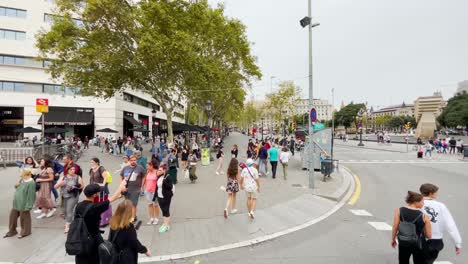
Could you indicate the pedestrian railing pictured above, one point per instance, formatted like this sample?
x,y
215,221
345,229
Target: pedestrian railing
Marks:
x,y
12,155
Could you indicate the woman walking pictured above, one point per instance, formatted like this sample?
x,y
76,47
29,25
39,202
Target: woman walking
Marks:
x,y
98,175
124,236
44,198
70,186
149,185
192,166
23,202
232,186
411,216
164,193
284,159
234,151
220,157
184,156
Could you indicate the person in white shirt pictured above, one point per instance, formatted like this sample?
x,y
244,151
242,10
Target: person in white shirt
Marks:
x,y
250,182
284,159
441,222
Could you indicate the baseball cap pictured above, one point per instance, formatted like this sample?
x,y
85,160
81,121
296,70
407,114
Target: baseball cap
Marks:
x,y
249,161
91,189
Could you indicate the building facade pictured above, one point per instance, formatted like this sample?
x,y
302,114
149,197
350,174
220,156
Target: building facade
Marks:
x,y
429,104
323,108
23,79
394,110
462,87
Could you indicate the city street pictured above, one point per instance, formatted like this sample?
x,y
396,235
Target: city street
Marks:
x,y
349,238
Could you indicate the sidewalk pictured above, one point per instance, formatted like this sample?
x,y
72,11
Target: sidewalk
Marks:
x,y
197,209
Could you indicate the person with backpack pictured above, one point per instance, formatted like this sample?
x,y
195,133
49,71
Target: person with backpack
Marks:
x,y
123,236
173,164
70,187
441,221
99,175
250,182
263,157
411,227
84,236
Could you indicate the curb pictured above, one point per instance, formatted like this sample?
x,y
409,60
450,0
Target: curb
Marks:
x,y
339,194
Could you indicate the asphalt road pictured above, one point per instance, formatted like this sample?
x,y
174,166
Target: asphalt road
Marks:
x,y
348,238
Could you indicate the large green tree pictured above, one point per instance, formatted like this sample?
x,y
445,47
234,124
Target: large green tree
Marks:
x,y
348,114
283,101
173,50
456,112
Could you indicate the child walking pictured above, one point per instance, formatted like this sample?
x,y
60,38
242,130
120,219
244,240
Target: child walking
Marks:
x,y
232,187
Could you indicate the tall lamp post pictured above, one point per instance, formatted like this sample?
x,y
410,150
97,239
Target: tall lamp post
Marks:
x,y
208,108
307,22
262,126
360,114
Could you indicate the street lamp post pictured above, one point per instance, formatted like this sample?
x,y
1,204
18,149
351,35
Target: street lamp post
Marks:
x,y
208,137
262,127
360,114
307,22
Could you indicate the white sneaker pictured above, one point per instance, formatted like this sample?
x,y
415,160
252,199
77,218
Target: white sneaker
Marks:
x,y
150,222
37,211
233,211
252,215
156,221
41,216
50,213
217,173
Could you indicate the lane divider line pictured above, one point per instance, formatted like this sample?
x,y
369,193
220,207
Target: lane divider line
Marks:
x,y
357,192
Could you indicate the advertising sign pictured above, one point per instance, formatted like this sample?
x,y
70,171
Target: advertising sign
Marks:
x,y
42,105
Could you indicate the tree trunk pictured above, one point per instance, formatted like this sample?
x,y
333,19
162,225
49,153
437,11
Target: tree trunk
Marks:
x,y
170,135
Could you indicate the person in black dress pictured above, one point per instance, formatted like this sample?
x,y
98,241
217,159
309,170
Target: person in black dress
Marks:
x,y
411,213
124,235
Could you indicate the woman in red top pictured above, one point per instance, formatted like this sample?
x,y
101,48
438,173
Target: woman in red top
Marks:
x,y
149,186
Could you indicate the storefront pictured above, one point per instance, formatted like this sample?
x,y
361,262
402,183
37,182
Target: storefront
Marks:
x,y
144,122
11,118
129,123
77,122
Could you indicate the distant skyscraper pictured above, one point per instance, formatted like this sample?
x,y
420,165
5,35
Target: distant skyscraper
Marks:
x,y
462,87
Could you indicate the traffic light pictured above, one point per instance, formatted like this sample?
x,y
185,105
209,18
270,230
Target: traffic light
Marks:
x,y
408,125
293,126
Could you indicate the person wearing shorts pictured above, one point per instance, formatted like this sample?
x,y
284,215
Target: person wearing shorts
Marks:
x,y
250,182
133,174
164,193
149,186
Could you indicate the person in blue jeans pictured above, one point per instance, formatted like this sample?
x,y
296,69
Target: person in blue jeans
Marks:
x,y
58,169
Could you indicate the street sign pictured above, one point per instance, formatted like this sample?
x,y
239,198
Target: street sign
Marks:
x,y
313,115
42,105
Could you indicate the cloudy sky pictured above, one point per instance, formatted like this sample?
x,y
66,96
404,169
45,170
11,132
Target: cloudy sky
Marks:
x,y
380,51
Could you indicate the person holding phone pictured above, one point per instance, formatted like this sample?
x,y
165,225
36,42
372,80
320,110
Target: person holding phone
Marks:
x,y
70,186
133,174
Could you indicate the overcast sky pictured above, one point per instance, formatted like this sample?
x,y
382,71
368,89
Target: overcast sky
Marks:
x,y
381,51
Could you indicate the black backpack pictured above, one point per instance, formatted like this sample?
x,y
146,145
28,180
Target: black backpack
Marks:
x,y
407,235
79,241
108,253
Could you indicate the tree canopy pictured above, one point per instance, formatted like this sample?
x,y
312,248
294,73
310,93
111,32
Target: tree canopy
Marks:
x,y
347,115
283,101
173,50
456,112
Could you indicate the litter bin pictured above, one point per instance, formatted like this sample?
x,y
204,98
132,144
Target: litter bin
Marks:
x,y
465,151
326,167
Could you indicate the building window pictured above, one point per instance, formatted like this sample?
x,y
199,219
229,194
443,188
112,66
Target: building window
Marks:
x,y
49,19
12,34
12,12
20,61
11,86
127,97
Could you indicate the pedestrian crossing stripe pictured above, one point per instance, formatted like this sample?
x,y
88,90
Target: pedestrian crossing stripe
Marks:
x,y
401,162
443,262
381,226
360,212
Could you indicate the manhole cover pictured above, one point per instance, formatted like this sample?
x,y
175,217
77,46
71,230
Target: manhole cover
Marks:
x,y
297,185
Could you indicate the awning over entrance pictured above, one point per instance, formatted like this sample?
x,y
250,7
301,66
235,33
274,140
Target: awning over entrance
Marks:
x,y
59,116
132,120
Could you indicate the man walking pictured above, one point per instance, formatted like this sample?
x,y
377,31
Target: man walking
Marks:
x,y
453,145
263,156
284,159
441,220
273,154
292,145
133,174
120,143
251,184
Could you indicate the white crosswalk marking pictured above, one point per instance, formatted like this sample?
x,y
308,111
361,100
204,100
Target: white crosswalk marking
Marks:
x,y
381,226
360,212
443,262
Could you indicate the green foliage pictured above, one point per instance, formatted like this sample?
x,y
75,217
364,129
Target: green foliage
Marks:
x,y
172,50
456,112
348,114
395,122
283,100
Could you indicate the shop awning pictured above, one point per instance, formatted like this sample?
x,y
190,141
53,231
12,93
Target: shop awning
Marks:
x,y
132,120
59,116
